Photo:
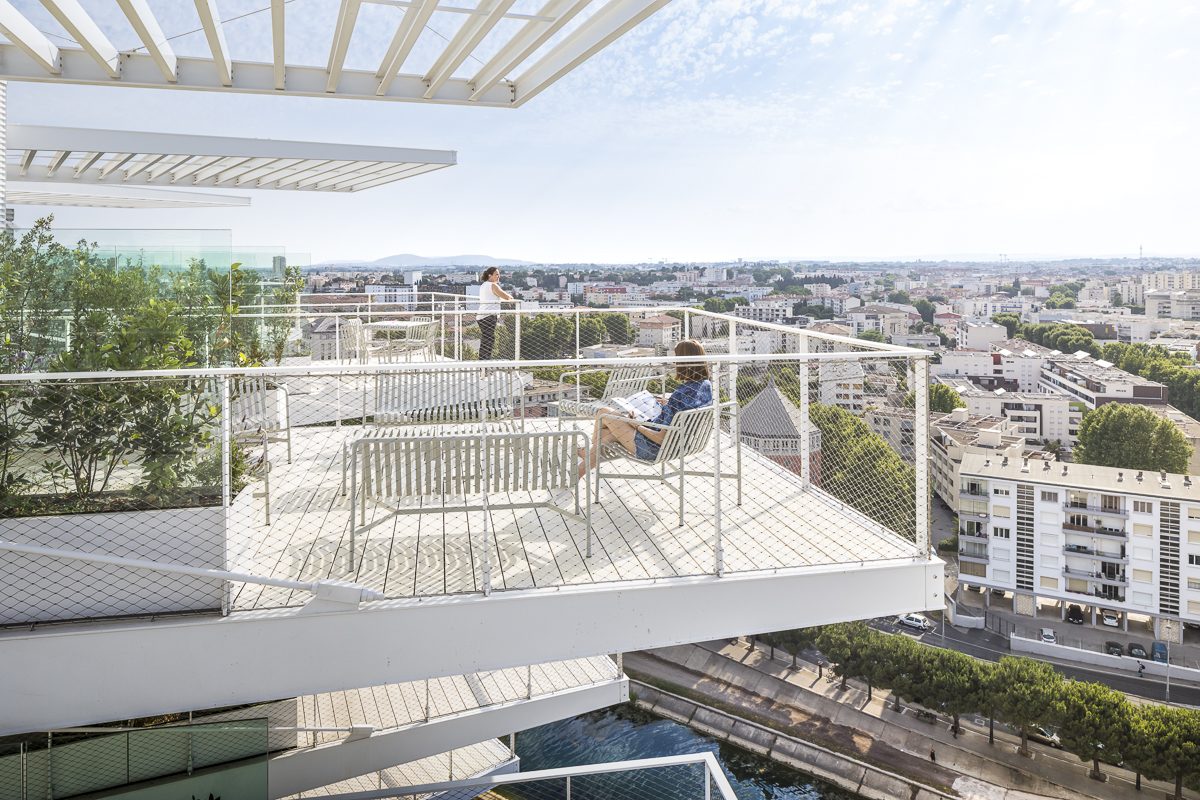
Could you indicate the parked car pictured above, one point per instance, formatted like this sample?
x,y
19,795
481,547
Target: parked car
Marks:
x,y
1137,651
1110,618
1158,651
1044,737
914,621
1074,614
1114,648
998,592
1048,636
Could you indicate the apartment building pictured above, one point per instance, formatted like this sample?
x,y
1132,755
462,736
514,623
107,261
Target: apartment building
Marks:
x,y
840,303
1095,383
1001,368
887,320
895,426
1133,291
979,333
1176,304
774,311
955,435
1171,280
841,384
1036,415
1103,537
659,329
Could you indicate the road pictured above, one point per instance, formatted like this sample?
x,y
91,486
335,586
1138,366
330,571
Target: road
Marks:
x,y
985,644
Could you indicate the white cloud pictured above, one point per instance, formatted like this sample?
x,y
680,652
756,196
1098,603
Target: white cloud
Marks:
x,y
1179,53
821,38
885,21
1001,38
1082,5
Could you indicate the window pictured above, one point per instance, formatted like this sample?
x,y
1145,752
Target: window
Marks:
x,y
1143,575
1049,583
1001,575
1000,490
1049,497
972,568
1049,518
1143,598
1143,530
1193,560
1000,511
1050,562
1193,512
1193,607
1193,583
1143,553
1049,540
1001,533
1143,507
1000,553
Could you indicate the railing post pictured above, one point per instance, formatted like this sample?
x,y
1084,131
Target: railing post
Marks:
x,y
427,699
577,320
719,550
517,336
568,787
707,783
687,323
529,682
512,744
805,426
921,455
487,550
226,443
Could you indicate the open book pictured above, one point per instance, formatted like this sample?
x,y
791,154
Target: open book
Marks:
x,y
642,405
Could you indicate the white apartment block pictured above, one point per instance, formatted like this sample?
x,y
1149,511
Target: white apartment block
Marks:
x,y
1133,291
895,426
764,312
1171,280
997,369
839,304
1103,537
979,333
954,435
390,293
887,320
1036,415
987,307
841,385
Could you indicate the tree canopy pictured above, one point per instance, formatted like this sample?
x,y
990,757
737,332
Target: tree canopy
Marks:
x,y
925,309
899,297
1132,437
871,335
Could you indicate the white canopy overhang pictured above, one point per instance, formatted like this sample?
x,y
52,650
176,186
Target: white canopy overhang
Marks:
x,y
78,157
21,193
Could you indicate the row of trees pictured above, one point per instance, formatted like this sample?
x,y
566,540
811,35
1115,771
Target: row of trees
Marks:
x,y
1093,721
1156,363
1057,336
1129,436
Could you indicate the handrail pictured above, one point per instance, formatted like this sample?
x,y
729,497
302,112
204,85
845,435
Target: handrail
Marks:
x,y
706,758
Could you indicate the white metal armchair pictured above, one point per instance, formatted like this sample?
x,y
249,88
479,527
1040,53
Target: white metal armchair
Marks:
x,y
622,382
689,434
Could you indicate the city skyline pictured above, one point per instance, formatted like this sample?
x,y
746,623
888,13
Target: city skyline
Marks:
x,y
738,129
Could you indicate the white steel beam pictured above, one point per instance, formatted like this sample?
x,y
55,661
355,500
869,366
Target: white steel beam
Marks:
x,y
27,161
307,768
469,35
527,40
285,171
87,196
32,42
347,16
56,162
85,163
601,29
238,172
313,176
191,167
116,162
277,165
148,30
210,19
85,31
277,42
165,166
80,675
198,74
218,166
143,164
407,33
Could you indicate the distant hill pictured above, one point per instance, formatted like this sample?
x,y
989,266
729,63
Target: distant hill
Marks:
x,y
409,260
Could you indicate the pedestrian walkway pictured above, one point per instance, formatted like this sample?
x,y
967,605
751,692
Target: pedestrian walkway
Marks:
x,y
819,710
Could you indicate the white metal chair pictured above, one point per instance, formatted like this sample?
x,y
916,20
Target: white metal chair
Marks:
x,y
689,434
622,382
257,406
385,471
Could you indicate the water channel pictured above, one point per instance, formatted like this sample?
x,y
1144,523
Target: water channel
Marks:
x,y
623,733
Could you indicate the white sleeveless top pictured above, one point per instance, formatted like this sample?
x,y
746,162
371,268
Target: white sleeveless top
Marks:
x,y
489,301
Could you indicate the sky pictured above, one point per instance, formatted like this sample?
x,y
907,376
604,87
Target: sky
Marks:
x,y
724,129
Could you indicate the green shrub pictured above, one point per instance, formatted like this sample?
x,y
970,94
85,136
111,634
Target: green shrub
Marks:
x,y
950,544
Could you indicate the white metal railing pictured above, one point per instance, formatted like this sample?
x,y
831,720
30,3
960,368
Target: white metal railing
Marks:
x,y
298,546
701,770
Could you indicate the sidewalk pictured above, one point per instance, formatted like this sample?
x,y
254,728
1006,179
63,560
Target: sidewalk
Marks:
x,y
818,710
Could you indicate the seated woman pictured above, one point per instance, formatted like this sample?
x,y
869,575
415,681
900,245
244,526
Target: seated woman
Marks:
x,y
640,439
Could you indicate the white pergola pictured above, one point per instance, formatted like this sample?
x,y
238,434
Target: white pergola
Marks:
x,y
39,194
510,50
75,157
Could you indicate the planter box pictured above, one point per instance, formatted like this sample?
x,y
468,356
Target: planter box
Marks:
x,y
45,589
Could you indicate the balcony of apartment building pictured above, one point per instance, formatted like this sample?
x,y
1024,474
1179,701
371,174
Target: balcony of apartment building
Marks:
x,y
973,490
1096,554
973,529
973,551
1108,577
304,527
1109,506
1081,523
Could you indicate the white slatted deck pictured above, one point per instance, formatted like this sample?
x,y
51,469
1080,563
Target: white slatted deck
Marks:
x,y
636,535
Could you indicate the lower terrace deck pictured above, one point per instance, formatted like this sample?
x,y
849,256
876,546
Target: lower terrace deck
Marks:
x,y
779,524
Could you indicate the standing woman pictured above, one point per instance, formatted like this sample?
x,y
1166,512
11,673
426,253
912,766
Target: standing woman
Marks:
x,y
490,295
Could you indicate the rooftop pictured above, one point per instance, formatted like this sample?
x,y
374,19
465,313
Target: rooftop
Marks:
x,y
1085,477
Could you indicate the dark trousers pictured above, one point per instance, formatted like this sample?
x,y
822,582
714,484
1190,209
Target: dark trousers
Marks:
x,y
487,337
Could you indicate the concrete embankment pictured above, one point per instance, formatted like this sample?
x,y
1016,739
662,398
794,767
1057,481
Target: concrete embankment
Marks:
x,y
840,770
